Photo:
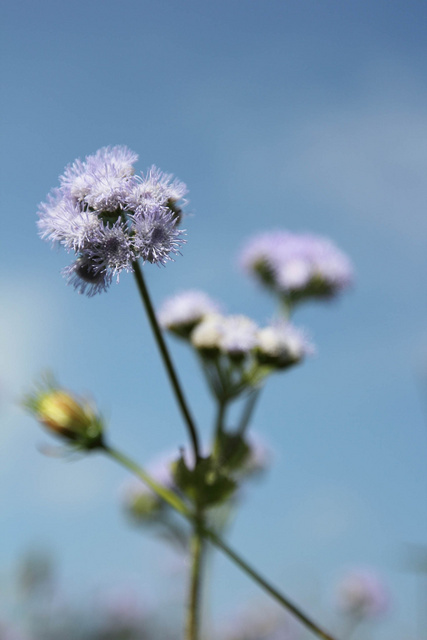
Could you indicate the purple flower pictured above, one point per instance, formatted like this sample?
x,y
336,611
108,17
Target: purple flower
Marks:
x,y
103,181
362,593
156,235
63,220
297,266
86,278
158,188
110,249
97,213
181,313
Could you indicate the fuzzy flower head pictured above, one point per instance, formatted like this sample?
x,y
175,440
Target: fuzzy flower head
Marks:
x,y
181,313
281,345
234,335
96,214
157,188
156,235
102,182
206,336
362,593
297,266
238,335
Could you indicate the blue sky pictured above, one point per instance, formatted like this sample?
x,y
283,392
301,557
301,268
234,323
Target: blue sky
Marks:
x,y
303,115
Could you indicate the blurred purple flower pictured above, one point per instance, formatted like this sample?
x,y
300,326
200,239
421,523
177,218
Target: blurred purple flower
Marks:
x,y
183,311
297,265
260,455
362,593
259,623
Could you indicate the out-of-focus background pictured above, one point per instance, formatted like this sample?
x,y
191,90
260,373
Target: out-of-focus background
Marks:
x,y
296,114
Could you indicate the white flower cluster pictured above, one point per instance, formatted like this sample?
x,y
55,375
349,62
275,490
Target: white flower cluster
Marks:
x,y
195,316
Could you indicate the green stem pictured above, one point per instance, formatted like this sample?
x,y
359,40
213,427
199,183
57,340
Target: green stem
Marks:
x,y
219,426
248,410
168,496
286,308
285,602
194,606
179,505
166,358
220,417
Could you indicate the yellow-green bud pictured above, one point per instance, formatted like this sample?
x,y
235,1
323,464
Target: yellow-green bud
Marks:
x,y
67,416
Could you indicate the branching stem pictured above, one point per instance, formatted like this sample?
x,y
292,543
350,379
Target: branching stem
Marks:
x,y
179,505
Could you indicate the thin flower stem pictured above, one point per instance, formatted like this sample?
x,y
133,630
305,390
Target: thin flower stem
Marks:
x,y
168,496
248,410
194,600
220,417
179,505
220,544
286,308
166,358
219,426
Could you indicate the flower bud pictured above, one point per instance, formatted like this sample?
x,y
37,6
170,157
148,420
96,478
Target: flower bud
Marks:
x,y
206,337
141,504
69,417
184,311
282,345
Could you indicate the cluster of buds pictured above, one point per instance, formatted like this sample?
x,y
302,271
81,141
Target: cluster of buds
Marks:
x,y
235,352
73,419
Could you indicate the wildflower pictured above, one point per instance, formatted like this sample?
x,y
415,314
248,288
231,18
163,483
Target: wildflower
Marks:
x,y
156,235
66,415
238,335
234,335
207,334
103,181
86,278
297,266
101,213
181,313
111,249
281,345
362,593
158,188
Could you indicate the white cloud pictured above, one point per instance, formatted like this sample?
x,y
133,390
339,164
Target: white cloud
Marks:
x,y
28,334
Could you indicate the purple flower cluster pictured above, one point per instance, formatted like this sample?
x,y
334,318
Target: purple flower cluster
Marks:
x,y
297,266
109,217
